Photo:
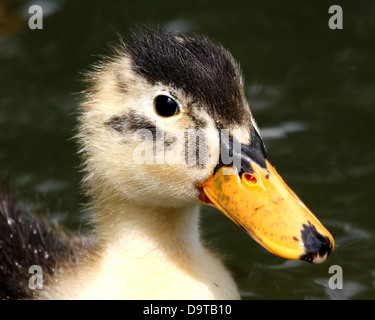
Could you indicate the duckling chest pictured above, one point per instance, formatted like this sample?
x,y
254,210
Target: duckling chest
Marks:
x,y
155,277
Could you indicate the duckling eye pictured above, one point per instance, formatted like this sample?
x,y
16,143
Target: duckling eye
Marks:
x,y
165,106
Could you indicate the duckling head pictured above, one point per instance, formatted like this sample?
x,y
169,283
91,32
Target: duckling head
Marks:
x,y
165,123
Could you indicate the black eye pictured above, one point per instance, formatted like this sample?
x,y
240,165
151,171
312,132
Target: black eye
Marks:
x,y
165,106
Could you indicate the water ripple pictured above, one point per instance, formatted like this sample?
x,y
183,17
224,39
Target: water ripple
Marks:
x,y
282,130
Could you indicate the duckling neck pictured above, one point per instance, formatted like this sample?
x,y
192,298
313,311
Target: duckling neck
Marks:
x,y
153,253
128,224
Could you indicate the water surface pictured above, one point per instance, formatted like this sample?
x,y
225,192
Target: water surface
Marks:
x,y
311,89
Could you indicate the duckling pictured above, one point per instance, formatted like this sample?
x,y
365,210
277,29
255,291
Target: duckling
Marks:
x,y
164,128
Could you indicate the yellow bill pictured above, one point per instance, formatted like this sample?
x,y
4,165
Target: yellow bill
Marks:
x,y
261,203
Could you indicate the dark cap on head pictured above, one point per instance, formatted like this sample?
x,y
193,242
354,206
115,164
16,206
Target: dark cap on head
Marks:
x,y
204,71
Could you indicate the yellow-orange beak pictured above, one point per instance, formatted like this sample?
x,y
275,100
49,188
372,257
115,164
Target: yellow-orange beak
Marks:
x,y
260,202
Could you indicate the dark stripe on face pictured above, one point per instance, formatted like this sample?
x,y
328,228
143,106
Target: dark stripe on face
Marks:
x,y
198,122
131,122
196,148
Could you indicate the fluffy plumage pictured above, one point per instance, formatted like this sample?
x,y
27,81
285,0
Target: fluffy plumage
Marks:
x,y
27,241
145,216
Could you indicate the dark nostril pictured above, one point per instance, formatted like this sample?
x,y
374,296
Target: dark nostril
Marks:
x,y
317,246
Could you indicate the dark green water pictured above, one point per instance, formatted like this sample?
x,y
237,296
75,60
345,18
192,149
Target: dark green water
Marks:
x,y
311,89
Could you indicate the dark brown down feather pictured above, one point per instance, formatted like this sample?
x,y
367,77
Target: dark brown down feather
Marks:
x,y
27,241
